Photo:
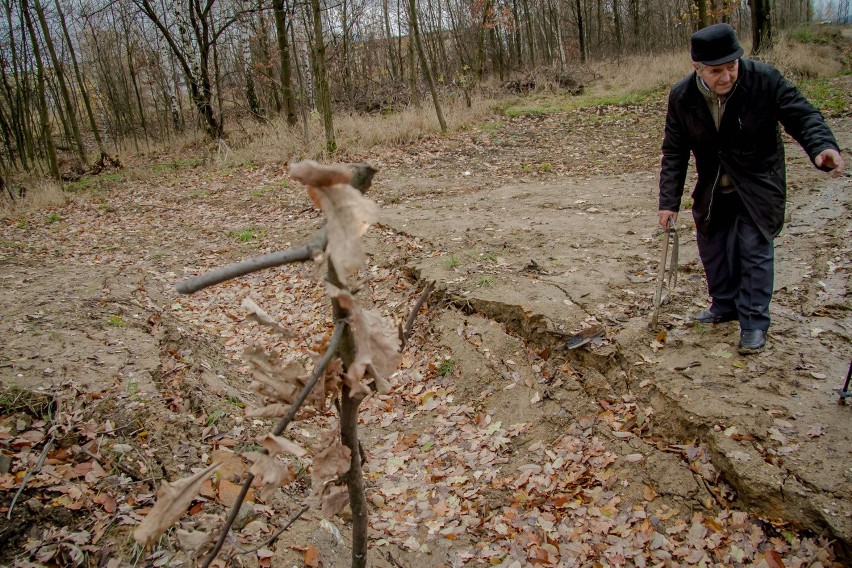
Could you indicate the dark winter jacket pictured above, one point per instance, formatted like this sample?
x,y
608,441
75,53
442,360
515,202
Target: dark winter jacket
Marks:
x,y
747,144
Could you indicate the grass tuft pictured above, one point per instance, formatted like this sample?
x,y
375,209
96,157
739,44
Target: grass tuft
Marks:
x,y
452,262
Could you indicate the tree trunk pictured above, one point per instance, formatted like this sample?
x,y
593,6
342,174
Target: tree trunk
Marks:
x,y
361,180
196,71
47,135
347,64
701,14
251,92
415,28
17,100
461,45
581,37
530,36
131,68
263,44
412,73
761,26
394,72
81,84
285,70
321,78
60,77
517,35
616,21
483,26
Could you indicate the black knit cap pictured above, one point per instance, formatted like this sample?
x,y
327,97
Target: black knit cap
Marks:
x,y
715,45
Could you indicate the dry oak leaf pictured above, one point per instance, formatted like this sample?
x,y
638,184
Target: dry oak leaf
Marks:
x,y
272,380
331,460
314,174
377,346
275,410
349,214
312,557
335,498
259,315
172,501
272,474
277,444
376,342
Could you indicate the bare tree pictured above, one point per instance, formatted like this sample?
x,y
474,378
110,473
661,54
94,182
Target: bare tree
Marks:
x,y
761,25
285,69
46,132
321,77
192,35
424,64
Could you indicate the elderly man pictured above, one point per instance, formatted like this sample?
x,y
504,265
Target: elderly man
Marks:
x,y
727,114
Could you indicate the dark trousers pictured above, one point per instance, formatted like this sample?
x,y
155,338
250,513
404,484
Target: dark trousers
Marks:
x,y
739,263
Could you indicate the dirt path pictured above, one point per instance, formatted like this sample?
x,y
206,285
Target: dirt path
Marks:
x,y
497,444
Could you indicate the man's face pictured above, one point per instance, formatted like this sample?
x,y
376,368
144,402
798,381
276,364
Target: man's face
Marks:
x,y
720,78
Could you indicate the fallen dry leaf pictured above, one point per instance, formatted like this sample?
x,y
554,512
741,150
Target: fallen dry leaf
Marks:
x,y
312,557
815,431
172,501
331,461
773,559
272,380
377,345
107,501
331,458
334,500
277,444
258,314
271,473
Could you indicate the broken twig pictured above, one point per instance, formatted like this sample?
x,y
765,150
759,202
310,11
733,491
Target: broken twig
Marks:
x,y
31,473
409,323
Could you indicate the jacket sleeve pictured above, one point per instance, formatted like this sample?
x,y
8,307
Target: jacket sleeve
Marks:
x,y
801,119
675,159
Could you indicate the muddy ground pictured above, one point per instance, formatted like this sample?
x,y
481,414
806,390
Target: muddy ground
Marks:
x,y
533,229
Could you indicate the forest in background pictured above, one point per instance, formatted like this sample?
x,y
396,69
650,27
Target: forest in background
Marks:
x,y
85,79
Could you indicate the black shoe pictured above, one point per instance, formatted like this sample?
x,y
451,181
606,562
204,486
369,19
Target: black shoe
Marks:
x,y
709,316
752,341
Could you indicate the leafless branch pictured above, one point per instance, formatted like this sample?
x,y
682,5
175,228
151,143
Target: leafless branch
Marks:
x,y
409,323
31,473
271,540
231,271
319,370
362,178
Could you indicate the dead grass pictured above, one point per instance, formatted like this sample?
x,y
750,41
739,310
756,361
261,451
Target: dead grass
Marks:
x,y
39,195
812,60
641,74
816,58
277,142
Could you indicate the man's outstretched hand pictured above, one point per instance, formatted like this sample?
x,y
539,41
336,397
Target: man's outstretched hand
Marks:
x,y
830,160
